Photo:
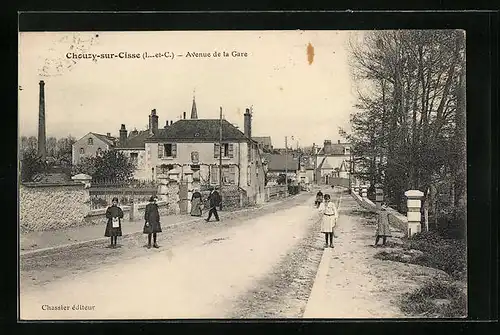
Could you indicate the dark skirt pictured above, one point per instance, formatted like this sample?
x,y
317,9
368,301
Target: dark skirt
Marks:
x,y
154,227
110,231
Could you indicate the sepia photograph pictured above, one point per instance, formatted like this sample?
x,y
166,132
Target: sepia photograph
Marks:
x,y
273,174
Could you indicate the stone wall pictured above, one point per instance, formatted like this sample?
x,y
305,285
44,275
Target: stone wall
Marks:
x,y
52,206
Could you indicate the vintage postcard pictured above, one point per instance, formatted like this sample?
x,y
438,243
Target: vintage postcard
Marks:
x,y
242,174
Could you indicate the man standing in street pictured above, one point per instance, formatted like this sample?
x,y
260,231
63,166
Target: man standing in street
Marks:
x,y
214,200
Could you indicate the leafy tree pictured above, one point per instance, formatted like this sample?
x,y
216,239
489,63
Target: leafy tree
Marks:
x,y
408,130
31,166
112,165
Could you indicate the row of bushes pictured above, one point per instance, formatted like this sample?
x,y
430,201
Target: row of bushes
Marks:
x,y
449,255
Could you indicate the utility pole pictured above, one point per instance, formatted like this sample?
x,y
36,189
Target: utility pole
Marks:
x,y
220,156
286,166
350,170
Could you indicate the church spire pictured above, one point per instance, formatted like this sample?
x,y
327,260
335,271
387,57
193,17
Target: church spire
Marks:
x,y
194,112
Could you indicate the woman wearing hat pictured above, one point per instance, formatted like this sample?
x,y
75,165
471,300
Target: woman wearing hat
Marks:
x,y
383,228
329,216
152,221
114,214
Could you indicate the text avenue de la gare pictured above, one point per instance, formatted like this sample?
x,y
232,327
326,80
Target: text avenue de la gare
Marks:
x,y
68,307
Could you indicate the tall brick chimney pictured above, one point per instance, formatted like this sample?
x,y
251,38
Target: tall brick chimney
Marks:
x,y
153,122
327,147
42,144
123,135
248,123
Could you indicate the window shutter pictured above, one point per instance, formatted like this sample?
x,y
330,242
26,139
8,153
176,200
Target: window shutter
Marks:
x,y
174,150
231,150
161,148
216,150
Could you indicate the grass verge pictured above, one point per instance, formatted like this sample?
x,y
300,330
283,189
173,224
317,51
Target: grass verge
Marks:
x,y
437,298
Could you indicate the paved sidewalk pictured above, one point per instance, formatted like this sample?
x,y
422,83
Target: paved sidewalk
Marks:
x,y
350,282
46,240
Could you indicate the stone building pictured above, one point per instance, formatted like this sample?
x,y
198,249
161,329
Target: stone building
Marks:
x,y
91,145
189,149
332,161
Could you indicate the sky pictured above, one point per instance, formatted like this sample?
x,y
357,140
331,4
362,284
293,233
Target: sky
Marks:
x,y
289,96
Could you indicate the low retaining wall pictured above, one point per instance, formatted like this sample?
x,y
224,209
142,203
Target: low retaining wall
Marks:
x,y
396,219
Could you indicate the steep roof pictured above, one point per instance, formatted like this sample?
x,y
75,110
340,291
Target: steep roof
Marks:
x,y
199,130
325,164
277,162
110,140
135,141
336,149
264,140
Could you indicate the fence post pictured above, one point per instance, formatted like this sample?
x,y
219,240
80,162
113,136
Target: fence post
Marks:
x,y
364,191
414,218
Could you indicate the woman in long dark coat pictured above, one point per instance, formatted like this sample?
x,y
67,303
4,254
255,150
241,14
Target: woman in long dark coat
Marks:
x,y
152,224
114,214
383,227
196,204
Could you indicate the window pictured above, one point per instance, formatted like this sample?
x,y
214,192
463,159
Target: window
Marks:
x,y
90,141
134,158
227,150
167,150
82,151
229,175
347,151
214,174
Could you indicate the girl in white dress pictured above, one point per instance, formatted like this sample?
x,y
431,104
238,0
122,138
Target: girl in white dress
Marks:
x,y
329,216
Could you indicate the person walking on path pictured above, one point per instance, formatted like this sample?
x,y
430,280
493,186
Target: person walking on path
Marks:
x,y
214,200
383,227
319,199
114,214
152,224
196,204
329,216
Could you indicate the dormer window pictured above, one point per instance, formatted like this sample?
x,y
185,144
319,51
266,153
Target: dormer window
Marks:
x,y
90,141
347,150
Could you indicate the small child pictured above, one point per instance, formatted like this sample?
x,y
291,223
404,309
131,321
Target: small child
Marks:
x,y
329,216
114,214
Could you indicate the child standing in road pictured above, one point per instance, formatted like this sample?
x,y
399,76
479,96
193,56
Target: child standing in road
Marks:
x,y
329,216
114,214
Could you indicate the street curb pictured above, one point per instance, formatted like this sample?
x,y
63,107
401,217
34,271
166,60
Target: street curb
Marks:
x,y
318,288
103,239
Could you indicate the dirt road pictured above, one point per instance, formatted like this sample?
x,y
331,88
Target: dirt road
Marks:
x,y
199,274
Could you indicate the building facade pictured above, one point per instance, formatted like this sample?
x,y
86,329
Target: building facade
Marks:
x,y
192,146
332,161
92,145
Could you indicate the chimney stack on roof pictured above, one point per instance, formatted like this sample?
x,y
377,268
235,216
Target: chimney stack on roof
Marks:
x,y
108,134
123,135
166,124
327,148
171,122
338,142
153,123
184,115
248,123
42,144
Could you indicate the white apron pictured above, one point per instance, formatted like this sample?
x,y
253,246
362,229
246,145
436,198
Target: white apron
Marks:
x,y
329,216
